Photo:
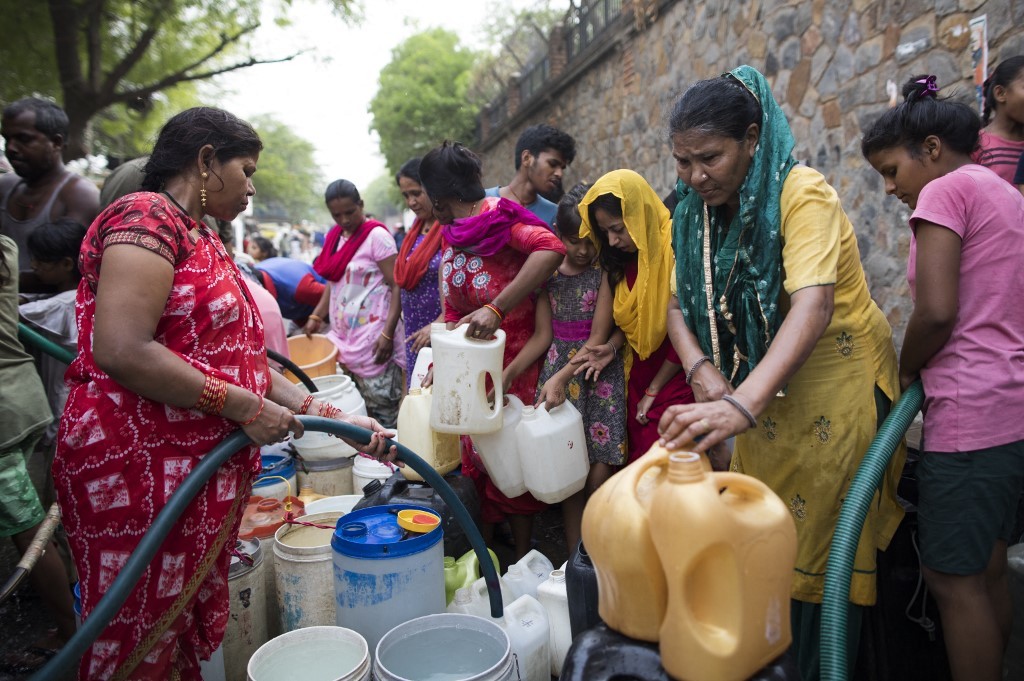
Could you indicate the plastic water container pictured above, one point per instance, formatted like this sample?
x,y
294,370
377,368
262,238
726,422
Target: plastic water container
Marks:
x,y
727,545
260,520
581,588
303,572
441,450
461,369
600,654
452,647
499,451
526,624
632,592
340,391
424,358
269,484
365,469
316,355
314,653
329,477
553,596
462,572
552,448
343,503
524,576
382,577
247,619
398,490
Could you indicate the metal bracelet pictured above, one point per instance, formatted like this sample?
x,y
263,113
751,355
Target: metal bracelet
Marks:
x,y
693,369
743,410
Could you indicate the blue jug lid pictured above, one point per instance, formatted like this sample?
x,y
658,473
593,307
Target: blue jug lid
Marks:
x,y
373,533
274,464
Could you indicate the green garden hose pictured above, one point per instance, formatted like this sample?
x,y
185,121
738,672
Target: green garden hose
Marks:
x,y
839,568
129,575
29,336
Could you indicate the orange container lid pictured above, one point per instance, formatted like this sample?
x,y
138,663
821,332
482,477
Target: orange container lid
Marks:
x,y
263,516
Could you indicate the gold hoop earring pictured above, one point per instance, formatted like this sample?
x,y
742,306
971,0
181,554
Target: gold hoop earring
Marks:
x,y
202,190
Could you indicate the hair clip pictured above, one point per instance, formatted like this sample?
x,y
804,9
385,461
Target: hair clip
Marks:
x,y
931,89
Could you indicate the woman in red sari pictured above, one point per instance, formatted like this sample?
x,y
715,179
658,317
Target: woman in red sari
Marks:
x,y
171,360
495,254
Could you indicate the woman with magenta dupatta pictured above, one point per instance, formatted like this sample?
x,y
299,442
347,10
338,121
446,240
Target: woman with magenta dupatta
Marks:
x,y
494,255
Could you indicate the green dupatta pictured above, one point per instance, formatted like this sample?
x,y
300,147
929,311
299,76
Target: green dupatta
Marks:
x,y
742,260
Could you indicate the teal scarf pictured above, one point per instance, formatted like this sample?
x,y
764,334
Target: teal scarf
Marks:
x,y
744,257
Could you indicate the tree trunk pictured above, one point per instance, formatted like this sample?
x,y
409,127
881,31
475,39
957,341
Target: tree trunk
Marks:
x,y
79,125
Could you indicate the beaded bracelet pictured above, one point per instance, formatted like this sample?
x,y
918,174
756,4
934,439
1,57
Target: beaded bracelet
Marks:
x,y
257,414
743,410
696,365
496,310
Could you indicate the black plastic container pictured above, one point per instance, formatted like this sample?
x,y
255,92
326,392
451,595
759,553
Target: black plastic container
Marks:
x,y
581,588
601,654
398,490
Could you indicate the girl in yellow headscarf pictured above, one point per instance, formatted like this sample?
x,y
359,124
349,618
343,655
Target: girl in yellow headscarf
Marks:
x,y
633,232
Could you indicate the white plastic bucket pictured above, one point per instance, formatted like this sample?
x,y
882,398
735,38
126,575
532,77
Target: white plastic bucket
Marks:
x,y
313,654
339,391
446,646
330,477
214,669
302,567
383,577
365,469
247,621
342,504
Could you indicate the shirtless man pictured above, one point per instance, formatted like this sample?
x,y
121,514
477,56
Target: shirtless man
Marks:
x,y
40,189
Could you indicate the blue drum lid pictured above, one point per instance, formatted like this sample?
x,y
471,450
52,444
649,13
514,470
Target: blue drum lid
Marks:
x,y
274,464
373,532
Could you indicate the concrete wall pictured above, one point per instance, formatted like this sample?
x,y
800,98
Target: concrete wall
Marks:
x,y
828,61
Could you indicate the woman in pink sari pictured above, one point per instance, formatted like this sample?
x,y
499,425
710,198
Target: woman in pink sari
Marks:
x,y
495,255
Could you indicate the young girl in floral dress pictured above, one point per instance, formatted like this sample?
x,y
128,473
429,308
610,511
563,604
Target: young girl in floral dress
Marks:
x,y
583,362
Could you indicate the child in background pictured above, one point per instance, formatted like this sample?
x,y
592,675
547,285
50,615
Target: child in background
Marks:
x,y
583,361
54,248
1002,141
965,339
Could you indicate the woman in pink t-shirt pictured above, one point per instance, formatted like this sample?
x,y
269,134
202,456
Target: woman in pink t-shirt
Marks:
x,y
1001,143
362,302
965,340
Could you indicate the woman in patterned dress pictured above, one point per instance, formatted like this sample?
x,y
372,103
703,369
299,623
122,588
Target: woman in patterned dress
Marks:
x,y
171,360
417,266
775,323
494,256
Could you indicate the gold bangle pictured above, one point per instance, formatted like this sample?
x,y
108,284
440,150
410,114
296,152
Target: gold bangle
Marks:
x,y
387,337
316,317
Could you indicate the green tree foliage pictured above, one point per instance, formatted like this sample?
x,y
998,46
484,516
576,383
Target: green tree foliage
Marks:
x,y
516,40
382,198
421,100
125,58
288,181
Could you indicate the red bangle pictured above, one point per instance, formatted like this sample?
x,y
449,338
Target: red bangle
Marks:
x,y
256,415
305,404
648,392
496,310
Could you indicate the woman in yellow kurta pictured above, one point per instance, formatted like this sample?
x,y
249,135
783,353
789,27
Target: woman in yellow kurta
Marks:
x,y
777,330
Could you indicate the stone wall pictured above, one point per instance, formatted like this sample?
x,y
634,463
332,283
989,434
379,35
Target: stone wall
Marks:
x,y
829,62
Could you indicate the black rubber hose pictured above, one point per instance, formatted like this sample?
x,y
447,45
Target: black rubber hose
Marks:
x,y
143,554
294,368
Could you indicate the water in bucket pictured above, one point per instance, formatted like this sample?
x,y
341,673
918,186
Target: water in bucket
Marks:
x,y
445,647
461,369
323,653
